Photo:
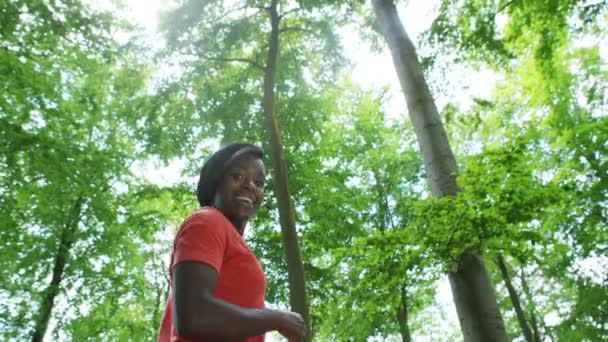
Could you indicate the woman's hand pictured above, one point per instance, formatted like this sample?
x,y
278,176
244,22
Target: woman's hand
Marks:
x,y
292,326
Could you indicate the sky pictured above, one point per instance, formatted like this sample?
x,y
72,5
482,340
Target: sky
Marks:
x,y
371,71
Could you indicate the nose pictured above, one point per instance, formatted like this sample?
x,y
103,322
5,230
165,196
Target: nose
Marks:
x,y
250,184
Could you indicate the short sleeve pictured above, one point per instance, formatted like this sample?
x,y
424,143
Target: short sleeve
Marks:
x,y
202,238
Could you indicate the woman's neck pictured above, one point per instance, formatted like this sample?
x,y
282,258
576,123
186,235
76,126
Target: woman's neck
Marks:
x,y
238,226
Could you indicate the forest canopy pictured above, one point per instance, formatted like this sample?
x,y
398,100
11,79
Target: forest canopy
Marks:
x,y
381,198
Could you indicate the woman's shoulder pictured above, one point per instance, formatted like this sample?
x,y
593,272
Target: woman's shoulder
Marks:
x,y
206,215
206,218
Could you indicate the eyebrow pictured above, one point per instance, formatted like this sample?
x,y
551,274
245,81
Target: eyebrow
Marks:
x,y
262,174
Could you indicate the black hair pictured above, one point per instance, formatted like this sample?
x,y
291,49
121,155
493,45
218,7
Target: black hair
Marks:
x,y
213,170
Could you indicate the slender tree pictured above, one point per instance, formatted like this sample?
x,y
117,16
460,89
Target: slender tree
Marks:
x,y
61,259
374,250
297,281
67,122
474,296
515,299
237,95
402,316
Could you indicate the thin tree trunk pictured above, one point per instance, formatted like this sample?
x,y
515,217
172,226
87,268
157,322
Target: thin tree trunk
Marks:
x,y
61,259
297,281
162,293
521,317
475,299
382,209
530,299
402,317
535,326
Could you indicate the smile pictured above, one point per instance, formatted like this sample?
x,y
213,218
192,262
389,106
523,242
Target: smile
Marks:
x,y
245,199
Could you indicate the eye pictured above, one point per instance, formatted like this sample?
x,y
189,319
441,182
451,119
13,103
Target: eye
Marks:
x,y
259,184
237,176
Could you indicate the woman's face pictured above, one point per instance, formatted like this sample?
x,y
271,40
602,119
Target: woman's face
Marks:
x,y
241,191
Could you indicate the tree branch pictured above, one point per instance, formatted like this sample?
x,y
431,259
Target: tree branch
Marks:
x,y
296,28
240,60
500,9
507,4
293,10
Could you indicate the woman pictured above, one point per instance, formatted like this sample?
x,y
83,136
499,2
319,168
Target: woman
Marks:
x,y
217,285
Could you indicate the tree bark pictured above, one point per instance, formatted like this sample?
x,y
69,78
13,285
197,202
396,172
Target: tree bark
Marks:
x,y
475,299
61,259
521,317
295,269
402,317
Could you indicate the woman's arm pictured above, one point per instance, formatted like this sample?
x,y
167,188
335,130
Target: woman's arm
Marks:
x,y
197,314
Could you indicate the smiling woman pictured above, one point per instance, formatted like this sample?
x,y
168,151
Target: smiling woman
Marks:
x,y
217,285
232,181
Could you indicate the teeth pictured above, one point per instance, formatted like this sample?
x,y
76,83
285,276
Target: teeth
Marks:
x,y
246,199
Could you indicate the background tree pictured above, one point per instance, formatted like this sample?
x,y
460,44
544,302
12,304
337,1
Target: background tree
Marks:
x,y
474,296
67,119
552,86
365,265
263,41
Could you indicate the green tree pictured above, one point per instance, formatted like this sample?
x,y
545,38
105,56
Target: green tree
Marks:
x,y
555,91
85,239
474,296
371,267
68,121
249,56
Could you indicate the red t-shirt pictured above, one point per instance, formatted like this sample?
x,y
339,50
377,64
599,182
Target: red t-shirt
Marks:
x,y
207,236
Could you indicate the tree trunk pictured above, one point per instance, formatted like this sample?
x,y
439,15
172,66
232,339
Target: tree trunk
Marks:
x,y
475,299
162,293
535,326
61,259
297,281
402,317
521,317
530,299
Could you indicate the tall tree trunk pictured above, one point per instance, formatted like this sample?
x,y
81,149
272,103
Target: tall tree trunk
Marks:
x,y
475,299
297,281
521,317
402,316
61,259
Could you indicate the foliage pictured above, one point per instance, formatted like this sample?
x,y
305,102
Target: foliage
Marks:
x,y
69,113
226,45
553,98
78,114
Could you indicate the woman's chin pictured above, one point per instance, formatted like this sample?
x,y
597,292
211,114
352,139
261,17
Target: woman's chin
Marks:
x,y
244,214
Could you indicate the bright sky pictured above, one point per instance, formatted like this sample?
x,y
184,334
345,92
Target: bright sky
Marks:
x,y
370,71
